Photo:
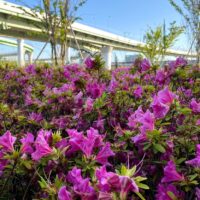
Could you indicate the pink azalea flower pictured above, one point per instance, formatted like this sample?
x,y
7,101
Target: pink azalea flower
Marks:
x,y
42,147
196,161
63,194
89,104
135,117
85,190
145,65
107,181
74,176
197,193
161,76
78,99
127,185
147,121
7,141
163,192
195,106
138,92
198,122
86,144
30,70
180,61
159,109
99,124
170,173
3,162
81,186
161,103
37,117
165,96
89,62
105,196
26,143
104,154
139,138
95,90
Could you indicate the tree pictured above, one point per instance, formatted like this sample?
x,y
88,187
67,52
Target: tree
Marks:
x,y
157,41
190,10
56,19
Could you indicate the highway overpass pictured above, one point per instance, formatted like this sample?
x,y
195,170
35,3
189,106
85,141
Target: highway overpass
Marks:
x,y
16,22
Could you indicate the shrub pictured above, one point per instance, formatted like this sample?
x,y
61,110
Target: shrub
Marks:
x,y
80,132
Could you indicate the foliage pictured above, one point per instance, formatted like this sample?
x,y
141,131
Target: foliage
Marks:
x,y
190,10
157,41
56,18
81,132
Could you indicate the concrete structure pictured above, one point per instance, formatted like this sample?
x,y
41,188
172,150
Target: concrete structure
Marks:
x,y
22,50
17,22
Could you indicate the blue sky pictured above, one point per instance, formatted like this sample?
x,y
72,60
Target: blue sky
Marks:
x,y
129,18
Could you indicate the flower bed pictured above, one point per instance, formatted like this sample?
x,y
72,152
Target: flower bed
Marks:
x,y
80,132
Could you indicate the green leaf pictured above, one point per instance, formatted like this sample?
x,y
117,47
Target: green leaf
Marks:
x,y
171,195
140,195
192,177
159,148
180,160
143,186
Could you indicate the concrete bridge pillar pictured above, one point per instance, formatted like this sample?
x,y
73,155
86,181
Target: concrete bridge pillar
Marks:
x,y
68,55
30,57
20,53
106,53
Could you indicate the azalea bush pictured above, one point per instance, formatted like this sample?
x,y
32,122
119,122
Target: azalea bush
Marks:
x,y
81,132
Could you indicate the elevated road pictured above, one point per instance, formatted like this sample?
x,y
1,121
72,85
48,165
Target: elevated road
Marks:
x,y
15,21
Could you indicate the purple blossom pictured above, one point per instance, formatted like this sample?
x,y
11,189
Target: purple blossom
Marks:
x,y
7,141
74,176
27,141
180,61
89,104
165,96
37,117
89,62
30,70
161,103
3,163
198,122
170,173
86,144
105,196
42,147
99,124
197,193
81,186
196,161
63,194
104,154
95,90
195,106
138,92
135,117
78,99
147,121
85,190
163,192
127,185
161,76
159,109
145,65
107,181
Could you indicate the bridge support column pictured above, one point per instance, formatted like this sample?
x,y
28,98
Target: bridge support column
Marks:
x,y
68,55
20,53
106,53
30,57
